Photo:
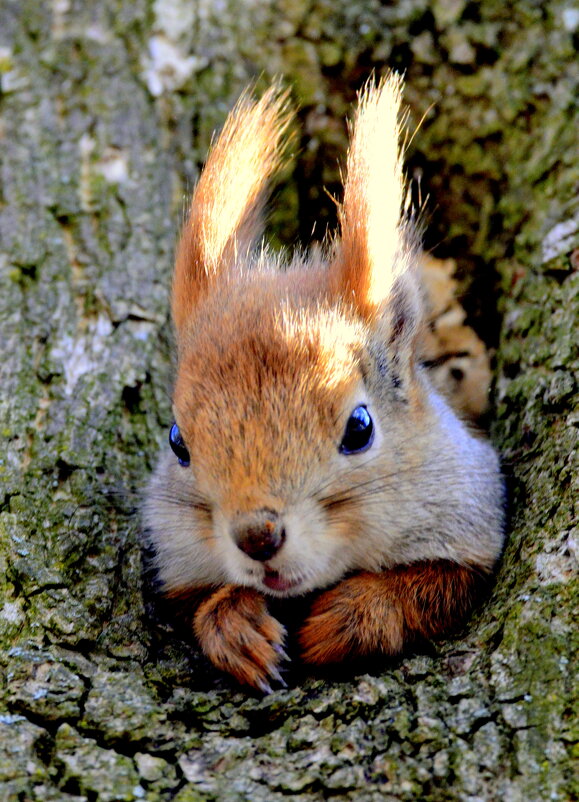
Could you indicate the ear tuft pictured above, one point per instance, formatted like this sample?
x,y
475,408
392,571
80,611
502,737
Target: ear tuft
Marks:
x,y
374,265
225,216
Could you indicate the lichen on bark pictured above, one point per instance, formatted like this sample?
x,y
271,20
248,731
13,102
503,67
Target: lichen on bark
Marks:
x,y
107,109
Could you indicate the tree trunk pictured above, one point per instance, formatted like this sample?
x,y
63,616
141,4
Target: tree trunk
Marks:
x,y
106,110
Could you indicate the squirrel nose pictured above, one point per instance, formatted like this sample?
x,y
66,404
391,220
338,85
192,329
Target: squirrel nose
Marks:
x,y
259,535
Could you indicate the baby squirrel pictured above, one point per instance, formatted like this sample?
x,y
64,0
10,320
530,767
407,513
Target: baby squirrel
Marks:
x,y
310,454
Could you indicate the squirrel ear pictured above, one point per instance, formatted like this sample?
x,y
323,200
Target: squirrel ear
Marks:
x,y
225,216
374,266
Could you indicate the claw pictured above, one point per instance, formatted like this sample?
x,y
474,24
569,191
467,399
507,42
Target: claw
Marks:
x,y
281,651
264,687
274,674
248,646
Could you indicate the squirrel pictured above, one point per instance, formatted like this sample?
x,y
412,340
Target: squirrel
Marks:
x,y
310,454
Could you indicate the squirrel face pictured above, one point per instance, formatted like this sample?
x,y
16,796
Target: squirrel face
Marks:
x,y
311,443
277,462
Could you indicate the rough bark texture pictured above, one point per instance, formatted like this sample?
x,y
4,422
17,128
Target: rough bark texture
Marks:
x,y
106,110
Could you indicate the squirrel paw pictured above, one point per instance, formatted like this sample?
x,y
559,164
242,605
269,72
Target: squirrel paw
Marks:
x,y
354,619
239,636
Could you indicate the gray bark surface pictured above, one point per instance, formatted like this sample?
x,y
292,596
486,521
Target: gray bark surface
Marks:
x,y
106,111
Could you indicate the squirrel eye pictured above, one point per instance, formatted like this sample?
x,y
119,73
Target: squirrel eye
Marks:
x,y
359,433
178,446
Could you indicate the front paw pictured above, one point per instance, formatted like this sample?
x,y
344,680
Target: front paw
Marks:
x,y
239,636
354,619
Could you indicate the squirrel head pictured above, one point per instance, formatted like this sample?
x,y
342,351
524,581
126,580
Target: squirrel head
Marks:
x,y
303,421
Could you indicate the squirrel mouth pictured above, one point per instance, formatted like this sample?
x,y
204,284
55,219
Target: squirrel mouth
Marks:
x,y
274,581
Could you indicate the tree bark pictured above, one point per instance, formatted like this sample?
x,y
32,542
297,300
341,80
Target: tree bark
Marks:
x,y
107,110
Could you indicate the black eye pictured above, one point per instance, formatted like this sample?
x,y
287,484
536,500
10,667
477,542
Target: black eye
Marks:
x,y
178,446
359,432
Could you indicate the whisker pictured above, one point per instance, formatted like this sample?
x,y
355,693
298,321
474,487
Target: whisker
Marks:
x,y
379,486
441,461
185,500
178,530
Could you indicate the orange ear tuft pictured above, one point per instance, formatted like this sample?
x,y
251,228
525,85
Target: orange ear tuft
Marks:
x,y
225,216
373,269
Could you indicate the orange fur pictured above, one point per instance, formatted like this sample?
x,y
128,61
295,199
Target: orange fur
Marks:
x,y
239,636
225,215
374,270
370,222
380,613
238,343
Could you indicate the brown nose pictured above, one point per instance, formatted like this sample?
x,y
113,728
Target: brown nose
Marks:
x,y
260,535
